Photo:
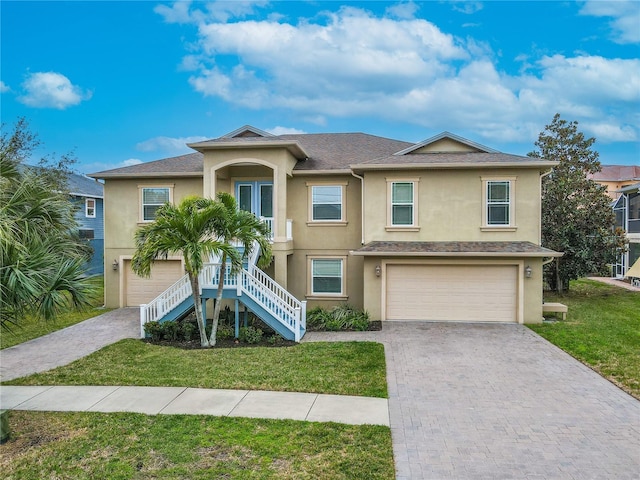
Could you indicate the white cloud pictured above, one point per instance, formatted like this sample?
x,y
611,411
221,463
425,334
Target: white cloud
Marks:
x,y
284,131
220,11
625,15
350,63
168,145
51,90
404,10
131,161
4,87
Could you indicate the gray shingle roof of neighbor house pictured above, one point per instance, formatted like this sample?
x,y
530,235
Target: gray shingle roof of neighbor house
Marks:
x,y
434,249
82,186
630,188
325,152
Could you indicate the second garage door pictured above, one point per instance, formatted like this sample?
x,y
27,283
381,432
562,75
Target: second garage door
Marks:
x,y
480,293
141,290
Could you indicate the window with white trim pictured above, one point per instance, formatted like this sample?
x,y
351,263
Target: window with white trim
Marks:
x,y
402,204
498,203
152,198
326,203
90,207
327,276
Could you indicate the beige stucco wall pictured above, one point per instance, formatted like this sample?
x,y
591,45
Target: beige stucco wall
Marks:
x,y
122,215
450,205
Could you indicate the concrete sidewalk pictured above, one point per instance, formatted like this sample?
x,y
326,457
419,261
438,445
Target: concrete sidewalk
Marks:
x,y
198,401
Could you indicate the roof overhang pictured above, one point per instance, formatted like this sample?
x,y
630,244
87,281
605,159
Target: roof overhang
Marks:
x,y
455,249
105,176
448,165
292,146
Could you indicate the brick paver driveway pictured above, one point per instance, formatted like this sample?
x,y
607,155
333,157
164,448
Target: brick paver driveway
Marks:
x,y
482,401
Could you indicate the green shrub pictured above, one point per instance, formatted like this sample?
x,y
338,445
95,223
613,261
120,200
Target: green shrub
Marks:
x,y
341,317
153,330
250,334
225,332
189,330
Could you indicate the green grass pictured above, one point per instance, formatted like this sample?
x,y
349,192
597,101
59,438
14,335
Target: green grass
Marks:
x,y
346,368
33,327
602,330
133,446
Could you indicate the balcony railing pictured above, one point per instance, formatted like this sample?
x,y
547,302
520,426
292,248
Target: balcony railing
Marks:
x,y
270,223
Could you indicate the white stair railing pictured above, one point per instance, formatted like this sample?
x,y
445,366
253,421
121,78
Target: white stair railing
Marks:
x,y
277,301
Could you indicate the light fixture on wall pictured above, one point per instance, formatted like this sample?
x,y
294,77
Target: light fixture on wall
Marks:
x,y
527,271
378,270
115,264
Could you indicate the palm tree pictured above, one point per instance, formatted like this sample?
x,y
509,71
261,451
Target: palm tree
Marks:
x,y
41,257
235,226
189,229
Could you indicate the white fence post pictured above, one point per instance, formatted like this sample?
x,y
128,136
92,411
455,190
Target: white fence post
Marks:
x,y
143,319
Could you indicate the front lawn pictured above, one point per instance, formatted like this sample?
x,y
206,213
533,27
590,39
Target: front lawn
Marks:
x,y
32,327
126,445
602,330
342,368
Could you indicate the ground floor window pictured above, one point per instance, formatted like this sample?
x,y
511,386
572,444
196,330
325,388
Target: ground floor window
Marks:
x,y
327,276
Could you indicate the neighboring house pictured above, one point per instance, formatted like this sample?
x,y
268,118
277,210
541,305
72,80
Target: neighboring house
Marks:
x,y
627,210
87,194
445,229
615,177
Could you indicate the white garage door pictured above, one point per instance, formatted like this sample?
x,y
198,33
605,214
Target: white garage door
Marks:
x,y
141,290
481,293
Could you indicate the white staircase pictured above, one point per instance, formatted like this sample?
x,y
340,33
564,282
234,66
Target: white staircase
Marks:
x,y
272,303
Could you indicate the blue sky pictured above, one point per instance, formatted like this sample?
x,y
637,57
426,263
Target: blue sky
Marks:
x,y
119,83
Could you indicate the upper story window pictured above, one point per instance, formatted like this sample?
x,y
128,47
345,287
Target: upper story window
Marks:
x,y
499,208
327,203
402,211
90,207
152,198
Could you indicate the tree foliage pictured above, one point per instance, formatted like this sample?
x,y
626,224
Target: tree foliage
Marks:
x,y
41,257
577,217
198,228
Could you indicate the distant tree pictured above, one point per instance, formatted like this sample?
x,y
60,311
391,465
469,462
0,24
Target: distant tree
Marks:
x,y
577,217
236,226
189,229
41,257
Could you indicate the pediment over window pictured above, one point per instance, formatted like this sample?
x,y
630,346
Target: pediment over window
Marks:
x,y
247,131
446,142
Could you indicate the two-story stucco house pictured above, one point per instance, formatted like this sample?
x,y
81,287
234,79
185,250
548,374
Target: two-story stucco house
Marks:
x,y
445,230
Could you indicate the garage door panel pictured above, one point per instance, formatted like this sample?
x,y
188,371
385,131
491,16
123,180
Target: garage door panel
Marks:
x,y
140,290
452,292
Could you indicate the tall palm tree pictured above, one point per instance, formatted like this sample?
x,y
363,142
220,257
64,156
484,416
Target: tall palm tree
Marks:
x,y
41,257
235,226
187,228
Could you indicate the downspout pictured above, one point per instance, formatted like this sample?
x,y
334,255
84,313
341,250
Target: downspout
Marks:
x,y
361,205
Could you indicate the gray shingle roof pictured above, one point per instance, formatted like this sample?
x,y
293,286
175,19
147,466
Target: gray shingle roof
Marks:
x,y
324,152
84,186
481,249
190,164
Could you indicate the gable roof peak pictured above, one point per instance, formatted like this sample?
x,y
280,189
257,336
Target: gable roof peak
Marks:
x,y
247,131
450,136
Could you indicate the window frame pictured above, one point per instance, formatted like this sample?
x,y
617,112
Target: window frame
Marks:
x,y
414,226
511,204
141,190
311,220
311,293
90,211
